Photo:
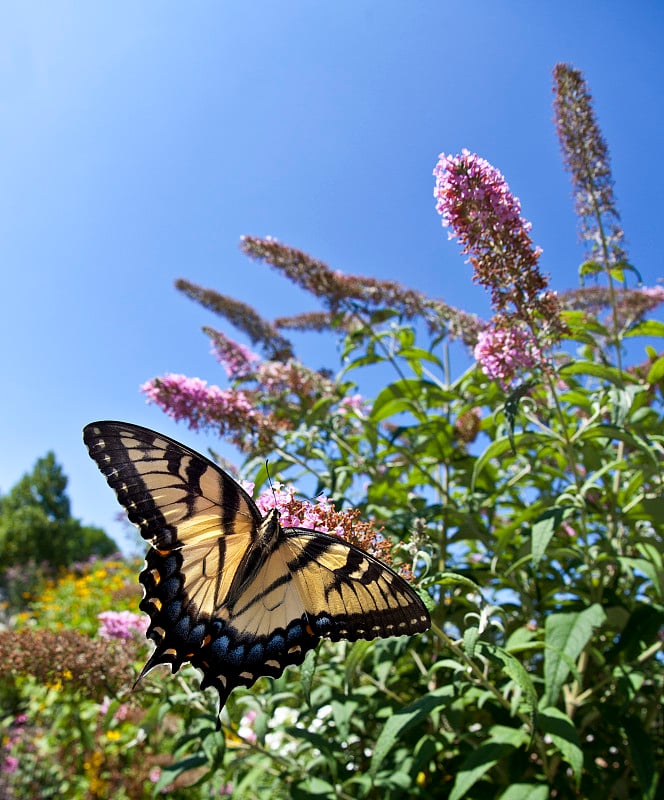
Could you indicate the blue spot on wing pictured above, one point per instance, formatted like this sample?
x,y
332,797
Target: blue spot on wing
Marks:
x,y
220,646
236,656
294,633
322,624
275,644
256,654
174,611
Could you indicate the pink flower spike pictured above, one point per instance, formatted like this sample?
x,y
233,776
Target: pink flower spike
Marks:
x,y
502,352
121,624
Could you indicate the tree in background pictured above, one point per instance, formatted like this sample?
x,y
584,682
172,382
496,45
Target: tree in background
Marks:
x,y
37,530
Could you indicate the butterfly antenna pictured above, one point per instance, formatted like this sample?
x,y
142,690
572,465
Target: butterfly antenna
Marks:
x,y
269,480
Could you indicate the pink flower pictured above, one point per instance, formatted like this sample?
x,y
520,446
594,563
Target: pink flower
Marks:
x,y
656,292
9,765
236,358
121,624
474,200
502,352
122,713
246,727
477,205
193,400
353,404
310,515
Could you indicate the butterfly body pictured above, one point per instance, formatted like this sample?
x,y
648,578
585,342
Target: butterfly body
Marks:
x,y
227,589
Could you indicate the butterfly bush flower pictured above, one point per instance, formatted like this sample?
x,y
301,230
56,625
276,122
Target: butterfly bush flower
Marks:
x,y
586,156
342,294
193,400
66,656
121,625
352,405
9,765
243,317
232,412
502,353
237,359
467,425
476,204
322,516
631,305
292,377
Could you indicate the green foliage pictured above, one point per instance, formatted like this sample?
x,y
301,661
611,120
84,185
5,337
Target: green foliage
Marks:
x,y
532,520
37,530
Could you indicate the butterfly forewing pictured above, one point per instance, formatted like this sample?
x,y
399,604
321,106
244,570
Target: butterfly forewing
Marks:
x,y
166,487
227,590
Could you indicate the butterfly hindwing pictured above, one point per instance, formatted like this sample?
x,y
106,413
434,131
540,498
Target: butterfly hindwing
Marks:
x,y
228,589
349,594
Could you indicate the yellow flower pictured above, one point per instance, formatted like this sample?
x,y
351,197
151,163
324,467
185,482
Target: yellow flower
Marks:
x,y
113,736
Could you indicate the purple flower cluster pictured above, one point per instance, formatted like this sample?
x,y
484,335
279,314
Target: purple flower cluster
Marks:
x,y
475,201
502,352
191,399
295,513
586,157
477,205
353,404
9,762
292,378
235,358
121,625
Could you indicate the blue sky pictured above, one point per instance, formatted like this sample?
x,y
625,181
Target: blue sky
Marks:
x,y
139,141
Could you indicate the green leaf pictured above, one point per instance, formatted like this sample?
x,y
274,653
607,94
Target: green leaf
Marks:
x,y
544,527
605,431
409,395
564,735
313,787
656,372
307,672
450,579
515,670
498,448
172,771
589,268
566,635
525,791
502,742
470,637
400,722
638,633
643,757
646,568
595,370
649,327
355,655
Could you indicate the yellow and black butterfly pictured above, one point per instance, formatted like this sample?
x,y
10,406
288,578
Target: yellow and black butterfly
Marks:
x,y
227,589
